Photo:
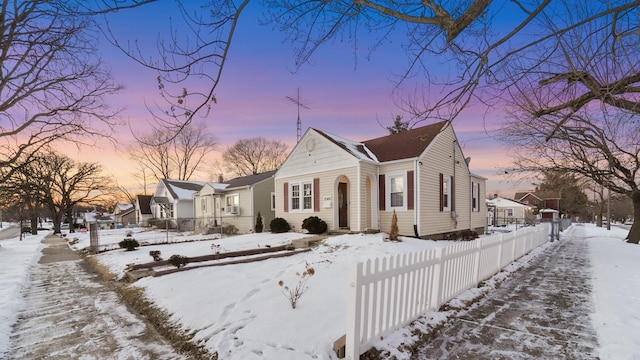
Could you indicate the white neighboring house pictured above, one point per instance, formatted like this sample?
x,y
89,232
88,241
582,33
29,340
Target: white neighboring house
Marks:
x,y
172,204
124,215
236,202
501,212
143,210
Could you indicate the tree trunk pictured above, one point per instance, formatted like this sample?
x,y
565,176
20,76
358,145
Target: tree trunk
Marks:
x,y
634,232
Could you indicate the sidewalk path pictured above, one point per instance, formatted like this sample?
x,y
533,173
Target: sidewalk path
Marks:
x,y
542,312
71,314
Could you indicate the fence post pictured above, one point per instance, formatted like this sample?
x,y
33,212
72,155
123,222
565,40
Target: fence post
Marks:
x,y
476,271
437,277
500,251
354,317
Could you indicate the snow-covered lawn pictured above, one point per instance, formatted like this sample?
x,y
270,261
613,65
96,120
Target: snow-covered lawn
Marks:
x,y
240,311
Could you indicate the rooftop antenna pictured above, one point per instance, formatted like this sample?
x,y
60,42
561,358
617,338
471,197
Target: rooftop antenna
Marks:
x,y
297,101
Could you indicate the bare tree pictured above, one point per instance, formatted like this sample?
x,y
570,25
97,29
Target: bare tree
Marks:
x,y
52,85
167,155
604,149
58,183
254,156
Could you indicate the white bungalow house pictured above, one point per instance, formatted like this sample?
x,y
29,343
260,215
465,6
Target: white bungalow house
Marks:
x,y
236,202
172,204
503,211
421,174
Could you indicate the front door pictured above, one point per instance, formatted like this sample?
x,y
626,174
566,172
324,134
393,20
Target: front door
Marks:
x,y
342,205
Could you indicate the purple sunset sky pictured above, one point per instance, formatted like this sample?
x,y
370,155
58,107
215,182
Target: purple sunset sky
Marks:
x,y
345,97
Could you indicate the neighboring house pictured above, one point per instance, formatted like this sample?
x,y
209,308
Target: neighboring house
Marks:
x,y
172,204
539,199
501,211
124,215
143,210
236,202
102,219
421,174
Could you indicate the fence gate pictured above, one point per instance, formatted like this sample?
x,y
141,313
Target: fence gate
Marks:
x,y
93,237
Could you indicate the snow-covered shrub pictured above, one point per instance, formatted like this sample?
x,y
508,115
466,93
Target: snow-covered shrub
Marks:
x,y
155,254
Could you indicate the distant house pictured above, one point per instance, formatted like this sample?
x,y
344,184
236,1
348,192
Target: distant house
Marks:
x,y
420,174
172,204
104,220
236,202
124,215
541,200
143,210
501,211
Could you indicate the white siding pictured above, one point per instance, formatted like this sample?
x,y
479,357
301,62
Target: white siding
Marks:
x,y
405,216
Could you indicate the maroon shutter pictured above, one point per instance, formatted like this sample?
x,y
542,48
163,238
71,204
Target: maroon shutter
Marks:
x,y
381,192
316,194
410,192
441,192
286,197
453,194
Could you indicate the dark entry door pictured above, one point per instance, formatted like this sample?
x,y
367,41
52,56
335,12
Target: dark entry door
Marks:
x,y
342,205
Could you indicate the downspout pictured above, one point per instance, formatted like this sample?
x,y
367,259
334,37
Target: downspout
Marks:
x,y
416,196
377,206
252,219
359,189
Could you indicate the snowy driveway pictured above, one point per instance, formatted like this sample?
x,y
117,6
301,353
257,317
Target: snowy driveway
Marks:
x,y
69,313
540,313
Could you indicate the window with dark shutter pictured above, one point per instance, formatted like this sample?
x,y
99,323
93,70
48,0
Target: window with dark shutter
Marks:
x,y
410,192
286,197
381,192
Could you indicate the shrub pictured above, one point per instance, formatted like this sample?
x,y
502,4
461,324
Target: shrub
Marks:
x,y
129,244
314,225
259,225
294,294
468,235
230,230
279,225
155,254
393,233
178,260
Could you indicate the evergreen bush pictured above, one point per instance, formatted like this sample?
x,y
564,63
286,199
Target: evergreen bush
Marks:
x,y
178,260
259,225
279,225
129,244
314,225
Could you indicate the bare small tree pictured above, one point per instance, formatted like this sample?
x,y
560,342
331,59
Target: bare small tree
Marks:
x,y
167,155
254,156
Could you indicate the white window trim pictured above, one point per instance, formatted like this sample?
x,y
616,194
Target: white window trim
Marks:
x,y
387,194
446,182
301,196
228,208
507,211
475,195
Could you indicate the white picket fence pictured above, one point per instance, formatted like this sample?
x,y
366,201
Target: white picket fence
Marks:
x,y
388,293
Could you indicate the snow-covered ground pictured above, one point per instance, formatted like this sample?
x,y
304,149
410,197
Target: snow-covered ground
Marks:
x,y
240,310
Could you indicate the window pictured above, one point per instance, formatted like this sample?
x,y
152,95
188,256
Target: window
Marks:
x,y
508,212
166,211
475,196
302,196
232,203
273,201
396,185
445,192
